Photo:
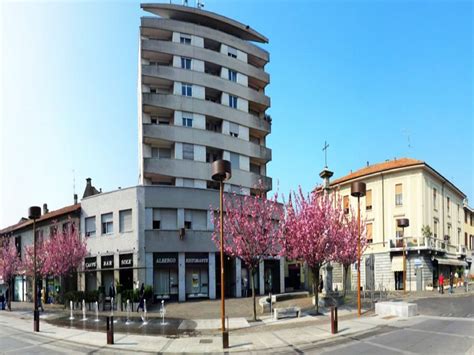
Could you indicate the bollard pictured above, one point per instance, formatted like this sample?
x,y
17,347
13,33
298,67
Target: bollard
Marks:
x,y
225,339
36,320
333,320
110,330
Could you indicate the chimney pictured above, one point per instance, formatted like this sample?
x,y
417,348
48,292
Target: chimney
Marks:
x,y
45,208
89,181
75,199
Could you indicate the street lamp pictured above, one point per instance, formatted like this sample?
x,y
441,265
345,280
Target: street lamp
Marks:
x,y
358,190
403,223
34,213
222,171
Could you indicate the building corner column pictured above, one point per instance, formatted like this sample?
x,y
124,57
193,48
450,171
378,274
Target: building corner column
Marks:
x,y
212,275
261,275
282,275
238,278
182,277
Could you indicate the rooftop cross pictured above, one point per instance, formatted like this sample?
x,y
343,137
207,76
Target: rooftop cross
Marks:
x,y
325,149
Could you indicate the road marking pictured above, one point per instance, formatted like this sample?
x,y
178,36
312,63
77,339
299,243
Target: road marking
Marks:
x,y
447,319
442,333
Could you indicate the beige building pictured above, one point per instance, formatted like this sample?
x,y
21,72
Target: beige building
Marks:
x,y
469,233
435,239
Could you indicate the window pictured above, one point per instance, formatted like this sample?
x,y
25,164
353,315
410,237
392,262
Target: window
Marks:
x,y
369,233
232,52
368,200
107,223
459,236
164,153
447,204
153,90
164,121
187,120
186,63
188,151
234,130
234,160
156,224
184,39
65,227
255,168
459,213
465,217
435,204
90,226
345,201
233,101
125,221
188,218
232,75
449,232
156,219
154,120
399,231
398,195
188,224
186,89
188,182
53,230
164,219
435,228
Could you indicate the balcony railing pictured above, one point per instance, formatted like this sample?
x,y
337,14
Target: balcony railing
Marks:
x,y
426,243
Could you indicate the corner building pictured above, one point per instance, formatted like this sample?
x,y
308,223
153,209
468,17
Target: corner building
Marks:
x,y
201,96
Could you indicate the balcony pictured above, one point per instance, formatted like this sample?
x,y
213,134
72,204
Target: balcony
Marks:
x,y
462,250
425,243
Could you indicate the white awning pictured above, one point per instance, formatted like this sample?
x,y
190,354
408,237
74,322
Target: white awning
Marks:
x,y
397,263
453,262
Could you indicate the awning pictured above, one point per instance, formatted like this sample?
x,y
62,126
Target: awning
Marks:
x,y
452,262
397,263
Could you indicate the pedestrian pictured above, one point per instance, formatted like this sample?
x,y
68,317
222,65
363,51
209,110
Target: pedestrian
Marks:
x,y
40,304
466,280
456,279
2,301
451,282
141,303
441,283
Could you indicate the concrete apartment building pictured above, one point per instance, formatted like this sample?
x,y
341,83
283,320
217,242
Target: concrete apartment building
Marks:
x,y
201,97
407,188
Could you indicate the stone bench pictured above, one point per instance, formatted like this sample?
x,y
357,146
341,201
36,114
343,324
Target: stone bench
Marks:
x,y
399,309
286,312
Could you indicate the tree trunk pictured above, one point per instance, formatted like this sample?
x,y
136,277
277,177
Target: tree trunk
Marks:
x,y
9,305
315,274
346,268
252,286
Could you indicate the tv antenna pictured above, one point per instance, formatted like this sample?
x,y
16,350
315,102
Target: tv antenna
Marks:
x,y
73,182
200,4
407,133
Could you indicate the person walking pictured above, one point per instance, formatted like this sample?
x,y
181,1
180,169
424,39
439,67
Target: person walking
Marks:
x,y
40,303
141,304
441,283
466,280
451,282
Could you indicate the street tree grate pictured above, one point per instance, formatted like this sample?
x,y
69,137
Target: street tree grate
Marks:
x,y
205,341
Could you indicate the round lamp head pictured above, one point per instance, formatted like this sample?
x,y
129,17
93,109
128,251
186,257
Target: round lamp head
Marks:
x,y
358,189
34,212
221,170
403,222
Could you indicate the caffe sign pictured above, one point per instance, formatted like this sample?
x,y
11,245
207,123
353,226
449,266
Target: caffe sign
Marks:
x,y
126,260
90,263
107,262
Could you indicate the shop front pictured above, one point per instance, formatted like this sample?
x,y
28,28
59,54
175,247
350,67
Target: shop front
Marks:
x,y
197,275
20,289
165,276
271,275
90,271
126,271
294,276
246,285
107,271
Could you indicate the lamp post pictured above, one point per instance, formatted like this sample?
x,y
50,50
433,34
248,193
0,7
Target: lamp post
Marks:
x,y
34,213
403,223
358,190
222,171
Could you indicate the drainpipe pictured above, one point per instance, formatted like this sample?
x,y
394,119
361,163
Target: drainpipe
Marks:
x,y
383,211
442,205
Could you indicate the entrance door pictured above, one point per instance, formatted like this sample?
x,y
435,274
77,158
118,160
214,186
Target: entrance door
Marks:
x,y
369,272
294,277
419,279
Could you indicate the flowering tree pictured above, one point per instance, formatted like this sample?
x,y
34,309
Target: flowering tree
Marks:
x,y
59,255
251,231
9,263
312,225
347,243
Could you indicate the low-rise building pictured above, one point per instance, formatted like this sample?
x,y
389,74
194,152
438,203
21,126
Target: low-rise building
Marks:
x,y
469,233
435,238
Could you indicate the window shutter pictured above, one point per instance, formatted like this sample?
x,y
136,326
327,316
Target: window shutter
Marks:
x,y
368,198
90,224
234,128
398,189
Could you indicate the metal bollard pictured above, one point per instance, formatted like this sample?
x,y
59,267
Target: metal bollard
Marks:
x,y
110,330
36,320
333,320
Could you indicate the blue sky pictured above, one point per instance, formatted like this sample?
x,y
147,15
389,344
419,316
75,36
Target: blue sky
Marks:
x,y
364,75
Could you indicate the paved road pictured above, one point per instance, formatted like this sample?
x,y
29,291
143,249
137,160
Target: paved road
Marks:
x,y
448,306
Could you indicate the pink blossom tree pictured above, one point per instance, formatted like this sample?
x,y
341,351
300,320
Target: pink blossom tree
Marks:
x,y
9,263
311,228
251,231
347,242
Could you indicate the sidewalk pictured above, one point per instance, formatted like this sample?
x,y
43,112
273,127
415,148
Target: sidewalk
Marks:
x,y
295,332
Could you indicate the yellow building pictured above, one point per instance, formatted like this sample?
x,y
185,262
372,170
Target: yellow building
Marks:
x,y
469,233
435,239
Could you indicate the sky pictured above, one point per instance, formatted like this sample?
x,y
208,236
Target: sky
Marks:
x,y
375,79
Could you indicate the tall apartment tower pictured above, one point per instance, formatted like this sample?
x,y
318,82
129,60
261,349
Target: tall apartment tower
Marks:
x,y
201,97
